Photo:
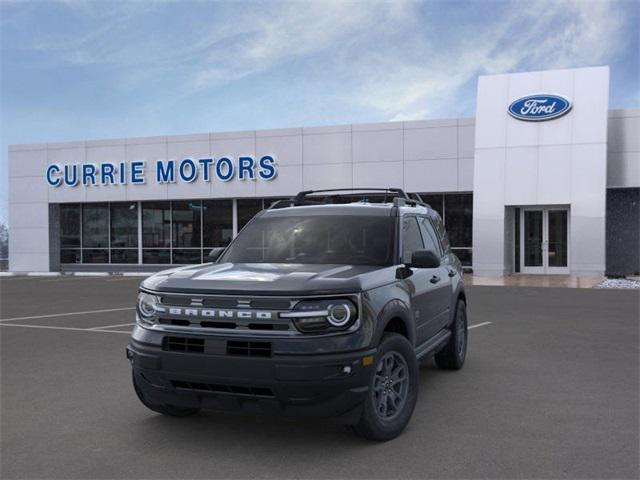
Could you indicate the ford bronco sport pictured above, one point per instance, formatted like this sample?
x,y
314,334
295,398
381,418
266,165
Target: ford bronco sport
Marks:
x,y
323,305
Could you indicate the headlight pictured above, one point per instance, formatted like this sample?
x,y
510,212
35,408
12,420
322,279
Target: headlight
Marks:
x,y
311,316
147,307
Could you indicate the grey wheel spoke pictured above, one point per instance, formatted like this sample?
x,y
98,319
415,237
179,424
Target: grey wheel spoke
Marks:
x,y
391,407
398,375
382,404
388,365
395,398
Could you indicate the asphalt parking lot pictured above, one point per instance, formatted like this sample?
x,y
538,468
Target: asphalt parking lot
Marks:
x,y
550,390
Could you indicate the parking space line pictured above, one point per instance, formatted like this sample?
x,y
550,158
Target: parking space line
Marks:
x,y
49,327
478,325
112,326
88,312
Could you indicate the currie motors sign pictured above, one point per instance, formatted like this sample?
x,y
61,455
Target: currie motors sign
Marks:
x,y
187,170
540,107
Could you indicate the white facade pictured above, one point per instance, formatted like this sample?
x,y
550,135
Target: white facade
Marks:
x,y
558,162
569,161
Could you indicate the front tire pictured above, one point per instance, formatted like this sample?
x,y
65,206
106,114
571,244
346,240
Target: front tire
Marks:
x,y
393,390
452,356
169,410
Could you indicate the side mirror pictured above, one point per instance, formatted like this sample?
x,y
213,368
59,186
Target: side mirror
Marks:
x,y
215,253
424,259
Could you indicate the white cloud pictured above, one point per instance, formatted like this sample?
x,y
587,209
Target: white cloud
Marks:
x,y
526,36
293,31
393,58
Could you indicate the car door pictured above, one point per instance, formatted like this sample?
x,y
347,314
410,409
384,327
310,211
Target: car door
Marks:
x,y
419,284
442,288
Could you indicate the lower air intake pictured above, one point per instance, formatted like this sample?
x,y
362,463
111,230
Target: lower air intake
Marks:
x,y
228,389
249,349
183,344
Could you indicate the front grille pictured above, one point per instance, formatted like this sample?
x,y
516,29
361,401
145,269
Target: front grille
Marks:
x,y
229,389
271,303
183,344
267,303
249,349
230,325
210,302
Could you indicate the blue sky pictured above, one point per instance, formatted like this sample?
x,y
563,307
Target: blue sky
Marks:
x,y
75,70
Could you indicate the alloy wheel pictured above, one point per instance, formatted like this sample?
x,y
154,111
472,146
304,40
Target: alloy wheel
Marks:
x,y
390,385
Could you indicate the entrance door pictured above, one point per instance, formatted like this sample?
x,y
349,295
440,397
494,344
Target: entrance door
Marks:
x,y
544,240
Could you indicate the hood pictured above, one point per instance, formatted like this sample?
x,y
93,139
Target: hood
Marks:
x,y
270,279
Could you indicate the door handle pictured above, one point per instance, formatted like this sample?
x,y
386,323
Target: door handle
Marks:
x,y
452,272
435,279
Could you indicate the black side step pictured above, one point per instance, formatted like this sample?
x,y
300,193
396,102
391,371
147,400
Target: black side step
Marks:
x,y
433,343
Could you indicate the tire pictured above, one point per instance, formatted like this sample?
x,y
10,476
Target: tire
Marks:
x,y
169,410
452,356
385,415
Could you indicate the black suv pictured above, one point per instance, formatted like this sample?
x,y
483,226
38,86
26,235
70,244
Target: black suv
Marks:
x,y
323,305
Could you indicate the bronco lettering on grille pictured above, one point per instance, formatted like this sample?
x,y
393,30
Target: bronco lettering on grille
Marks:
x,y
213,313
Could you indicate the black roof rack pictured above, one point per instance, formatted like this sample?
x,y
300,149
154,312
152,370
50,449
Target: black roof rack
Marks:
x,y
399,196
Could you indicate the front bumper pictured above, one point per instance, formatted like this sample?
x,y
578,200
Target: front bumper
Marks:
x,y
321,385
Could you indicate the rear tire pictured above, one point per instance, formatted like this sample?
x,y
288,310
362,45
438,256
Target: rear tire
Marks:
x,y
452,356
393,390
170,410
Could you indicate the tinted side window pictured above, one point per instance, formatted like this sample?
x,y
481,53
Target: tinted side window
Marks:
x,y
430,237
442,233
411,238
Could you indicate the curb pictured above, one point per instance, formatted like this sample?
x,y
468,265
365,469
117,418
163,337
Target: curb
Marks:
x,y
76,274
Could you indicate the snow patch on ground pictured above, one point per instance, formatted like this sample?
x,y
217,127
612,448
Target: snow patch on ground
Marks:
x,y
618,283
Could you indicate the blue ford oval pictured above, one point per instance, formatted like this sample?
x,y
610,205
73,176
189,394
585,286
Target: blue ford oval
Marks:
x,y
536,108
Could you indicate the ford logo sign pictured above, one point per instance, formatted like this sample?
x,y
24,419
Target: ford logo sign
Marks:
x,y
536,108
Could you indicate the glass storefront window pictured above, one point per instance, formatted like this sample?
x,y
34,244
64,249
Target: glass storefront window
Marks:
x,y
156,225
186,224
217,223
186,255
183,232
127,255
247,209
458,219
124,225
156,255
68,255
91,255
69,226
95,225
70,233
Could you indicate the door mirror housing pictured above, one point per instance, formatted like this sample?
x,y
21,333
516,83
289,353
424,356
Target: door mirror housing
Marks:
x,y
215,253
424,259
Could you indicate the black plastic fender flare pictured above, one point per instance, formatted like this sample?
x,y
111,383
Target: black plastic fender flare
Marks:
x,y
395,309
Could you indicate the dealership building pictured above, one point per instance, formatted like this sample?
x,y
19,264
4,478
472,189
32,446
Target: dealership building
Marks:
x,y
545,179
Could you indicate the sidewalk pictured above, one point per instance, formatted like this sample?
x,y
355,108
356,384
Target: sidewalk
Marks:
x,y
521,280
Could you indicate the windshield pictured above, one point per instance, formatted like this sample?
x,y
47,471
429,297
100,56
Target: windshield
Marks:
x,y
341,239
